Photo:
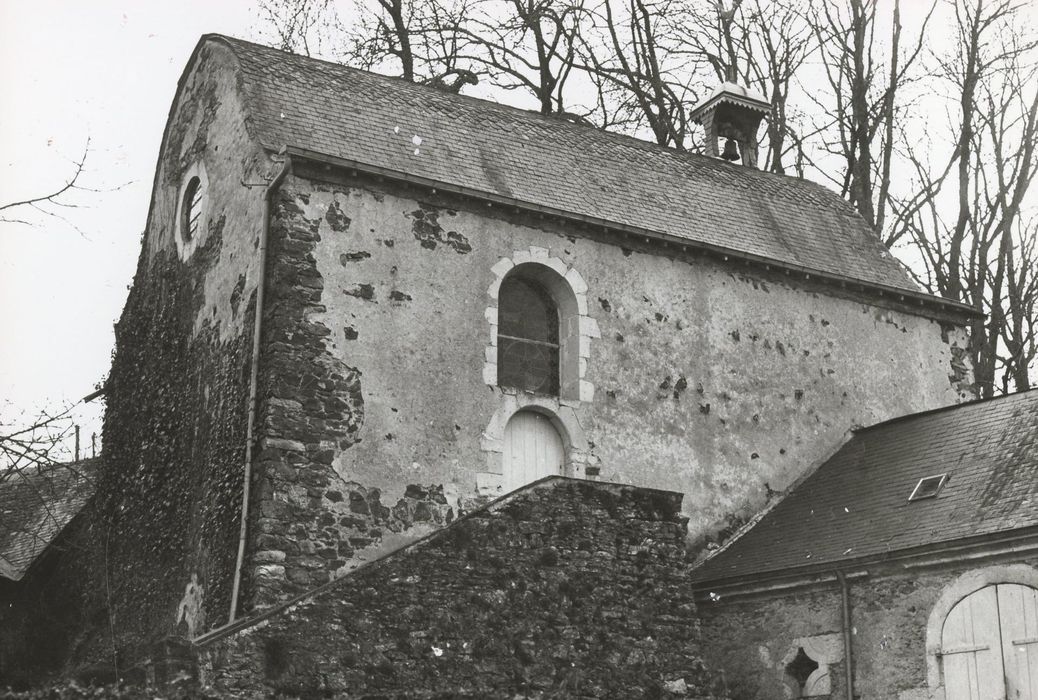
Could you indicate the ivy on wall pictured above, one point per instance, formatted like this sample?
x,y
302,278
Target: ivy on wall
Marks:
x,y
174,448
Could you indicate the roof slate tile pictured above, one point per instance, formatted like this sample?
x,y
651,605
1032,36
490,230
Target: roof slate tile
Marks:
x,y
35,506
856,504
549,162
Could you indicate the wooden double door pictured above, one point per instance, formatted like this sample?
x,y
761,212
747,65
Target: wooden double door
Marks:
x,y
989,645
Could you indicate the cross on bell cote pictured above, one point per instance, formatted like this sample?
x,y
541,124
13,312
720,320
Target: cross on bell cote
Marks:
x,y
733,113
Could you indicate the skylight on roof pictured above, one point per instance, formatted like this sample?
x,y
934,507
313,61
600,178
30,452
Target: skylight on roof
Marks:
x,y
928,487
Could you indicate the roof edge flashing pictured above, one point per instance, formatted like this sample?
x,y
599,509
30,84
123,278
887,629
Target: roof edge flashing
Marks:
x,y
941,409
990,545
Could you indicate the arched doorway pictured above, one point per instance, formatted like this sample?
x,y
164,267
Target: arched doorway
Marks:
x,y
989,645
533,449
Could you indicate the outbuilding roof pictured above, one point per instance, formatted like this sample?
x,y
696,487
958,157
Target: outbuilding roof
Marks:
x,y
35,506
548,162
857,503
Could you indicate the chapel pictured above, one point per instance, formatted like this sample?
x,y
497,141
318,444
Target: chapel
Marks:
x,y
419,393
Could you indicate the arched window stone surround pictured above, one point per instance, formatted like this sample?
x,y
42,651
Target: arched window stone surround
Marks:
x,y
564,417
964,585
569,291
186,245
826,650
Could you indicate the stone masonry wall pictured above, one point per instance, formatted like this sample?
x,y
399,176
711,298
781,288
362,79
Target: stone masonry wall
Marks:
x,y
566,588
753,639
312,522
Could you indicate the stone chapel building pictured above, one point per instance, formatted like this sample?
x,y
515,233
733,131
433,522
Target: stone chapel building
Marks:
x,y
366,310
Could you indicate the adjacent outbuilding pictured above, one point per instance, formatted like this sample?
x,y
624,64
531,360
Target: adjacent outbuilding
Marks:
x,y
904,566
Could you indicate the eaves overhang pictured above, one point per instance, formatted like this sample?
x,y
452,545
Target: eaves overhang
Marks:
x,y
734,94
885,295
1010,543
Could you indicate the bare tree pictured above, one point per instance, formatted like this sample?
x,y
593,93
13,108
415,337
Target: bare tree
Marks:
x,y
967,217
55,203
298,25
34,442
526,45
642,80
780,44
762,45
418,40
385,35
859,109
1020,332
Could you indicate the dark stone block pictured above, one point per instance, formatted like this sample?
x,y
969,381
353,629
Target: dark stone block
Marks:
x,y
358,504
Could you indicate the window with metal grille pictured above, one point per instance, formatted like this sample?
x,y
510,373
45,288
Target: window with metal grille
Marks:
x,y
192,208
527,337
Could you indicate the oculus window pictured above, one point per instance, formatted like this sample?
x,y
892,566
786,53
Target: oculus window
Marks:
x,y
191,209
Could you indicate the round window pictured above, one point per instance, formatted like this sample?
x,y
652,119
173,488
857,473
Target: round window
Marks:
x,y
191,208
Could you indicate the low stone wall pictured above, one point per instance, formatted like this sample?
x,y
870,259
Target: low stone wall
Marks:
x,y
564,588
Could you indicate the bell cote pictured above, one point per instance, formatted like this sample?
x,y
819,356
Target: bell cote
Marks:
x,y
733,113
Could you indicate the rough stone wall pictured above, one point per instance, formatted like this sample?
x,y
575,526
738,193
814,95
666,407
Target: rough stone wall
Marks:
x,y
749,640
169,495
709,378
311,521
567,588
752,639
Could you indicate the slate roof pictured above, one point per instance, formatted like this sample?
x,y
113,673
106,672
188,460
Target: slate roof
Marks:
x,y
547,162
35,506
856,504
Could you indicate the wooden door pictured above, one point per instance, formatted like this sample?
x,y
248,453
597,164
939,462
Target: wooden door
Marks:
x,y
989,645
1018,618
972,649
533,449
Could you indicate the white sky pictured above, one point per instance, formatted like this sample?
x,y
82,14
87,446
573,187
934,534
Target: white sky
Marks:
x,y
107,70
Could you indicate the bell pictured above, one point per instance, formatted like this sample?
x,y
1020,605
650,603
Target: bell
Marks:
x,y
731,151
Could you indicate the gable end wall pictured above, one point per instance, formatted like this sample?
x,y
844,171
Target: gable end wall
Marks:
x,y
174,433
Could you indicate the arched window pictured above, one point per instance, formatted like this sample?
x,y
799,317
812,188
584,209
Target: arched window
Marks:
x,y
527,337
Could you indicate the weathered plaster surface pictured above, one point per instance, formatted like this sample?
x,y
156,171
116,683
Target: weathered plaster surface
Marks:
x,y
208,136
708,380
311,522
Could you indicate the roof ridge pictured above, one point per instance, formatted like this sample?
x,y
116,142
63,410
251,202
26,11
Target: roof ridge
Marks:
x,y
552,120
496,149
942,409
